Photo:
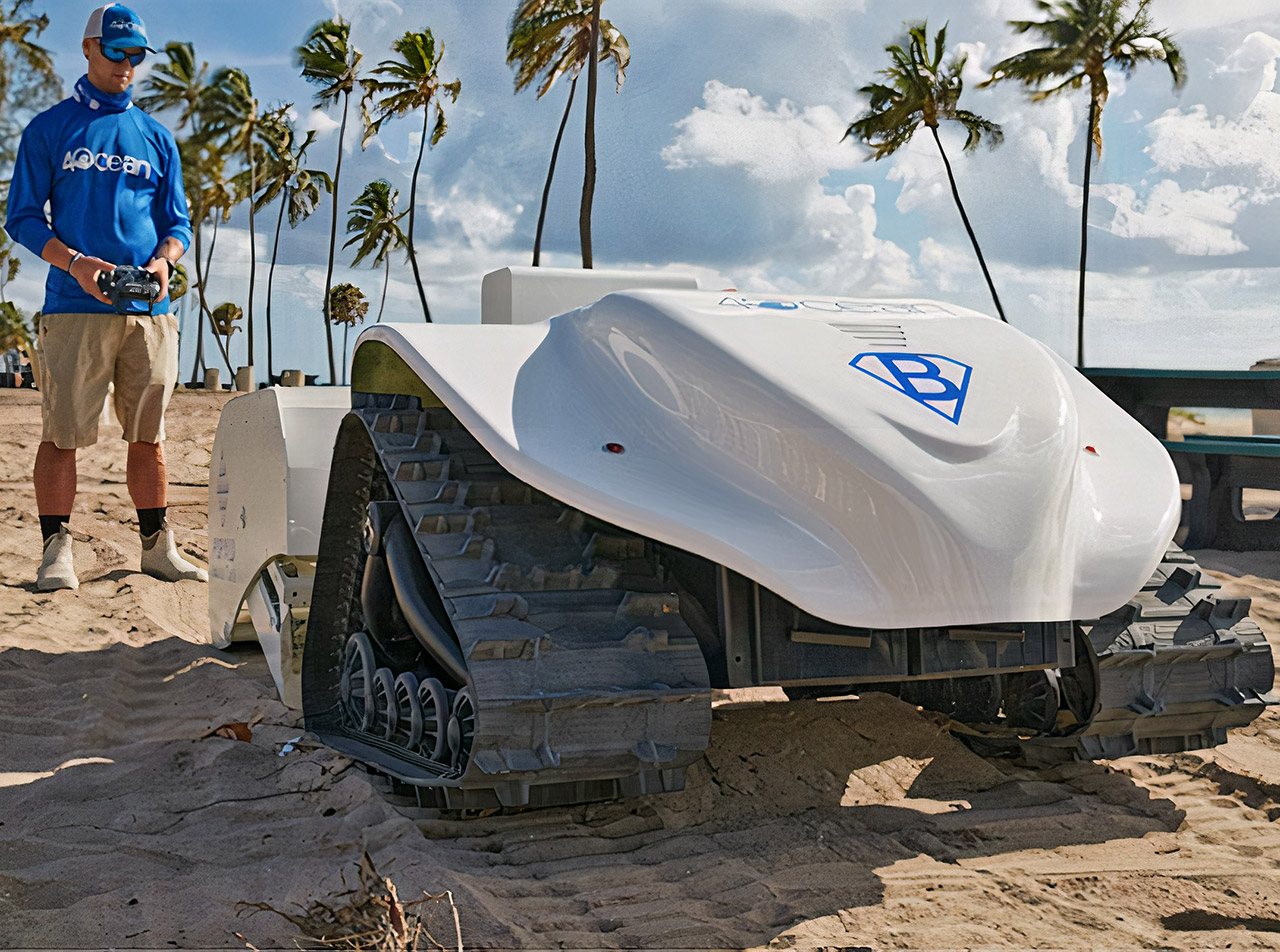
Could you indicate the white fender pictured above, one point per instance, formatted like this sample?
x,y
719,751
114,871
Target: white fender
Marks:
x,y
268,476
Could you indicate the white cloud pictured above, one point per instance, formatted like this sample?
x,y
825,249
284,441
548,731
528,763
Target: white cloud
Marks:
x,y
823,241
482,221
1187,15
822,10
1242,148
1196,222
319,122
842,250
948,266
736,129
372,14
1258,53
1212,319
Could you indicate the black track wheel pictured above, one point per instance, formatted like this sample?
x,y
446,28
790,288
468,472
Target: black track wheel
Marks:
x,y
462,728
357,682
433,702
408,732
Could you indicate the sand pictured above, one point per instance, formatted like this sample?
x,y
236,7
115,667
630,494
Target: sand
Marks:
x,y
125,822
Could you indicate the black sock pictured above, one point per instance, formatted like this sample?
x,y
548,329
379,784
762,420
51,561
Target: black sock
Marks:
x,y
50,526
151,521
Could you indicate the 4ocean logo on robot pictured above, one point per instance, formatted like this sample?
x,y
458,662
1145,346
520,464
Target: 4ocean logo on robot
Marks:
x,y
931,380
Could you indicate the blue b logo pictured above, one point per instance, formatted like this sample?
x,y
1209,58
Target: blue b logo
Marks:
x,y
936,382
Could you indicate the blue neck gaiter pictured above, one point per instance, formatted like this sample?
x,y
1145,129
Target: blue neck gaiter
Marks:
x,y
90,95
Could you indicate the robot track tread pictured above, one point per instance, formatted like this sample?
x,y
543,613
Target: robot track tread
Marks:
x,y
582,680
1172,670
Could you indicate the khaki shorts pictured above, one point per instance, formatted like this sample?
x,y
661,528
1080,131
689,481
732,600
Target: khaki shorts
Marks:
x,y
80,354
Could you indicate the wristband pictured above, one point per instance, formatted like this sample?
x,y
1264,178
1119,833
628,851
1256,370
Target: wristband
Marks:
x,y
75,256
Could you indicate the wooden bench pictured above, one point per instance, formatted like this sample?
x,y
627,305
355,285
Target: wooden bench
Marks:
x,y
1218,468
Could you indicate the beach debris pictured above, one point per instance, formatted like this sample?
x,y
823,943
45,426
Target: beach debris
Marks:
x,y
202,661
372,919
288,746
234,730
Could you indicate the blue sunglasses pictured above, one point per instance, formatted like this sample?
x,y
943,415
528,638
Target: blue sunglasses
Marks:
x,y
119,56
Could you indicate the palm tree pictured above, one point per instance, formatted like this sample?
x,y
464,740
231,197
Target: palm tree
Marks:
x,y
297,188
223,319
229,111
15,332
922,90
347,304
328,60
209,199
10,265
178,84
1083,38
179,284
547,39
412,82
375,224
29,80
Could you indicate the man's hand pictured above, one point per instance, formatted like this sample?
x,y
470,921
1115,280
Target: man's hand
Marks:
x,y
86,270
160,268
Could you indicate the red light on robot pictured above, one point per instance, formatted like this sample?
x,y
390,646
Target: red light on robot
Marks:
x,y
616,448
1090,449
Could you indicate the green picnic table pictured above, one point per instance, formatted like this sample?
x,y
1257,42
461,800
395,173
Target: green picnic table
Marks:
x,y
1218,468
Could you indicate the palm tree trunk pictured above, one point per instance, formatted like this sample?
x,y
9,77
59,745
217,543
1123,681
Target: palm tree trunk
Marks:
x,y
1084,230
345,329
973,239
551,171
413,207
217,338
333,241
386,279
253,250
589,177
271,274
199,361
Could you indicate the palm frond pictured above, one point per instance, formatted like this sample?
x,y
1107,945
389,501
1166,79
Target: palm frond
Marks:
x,y
921,87
548,39
328,60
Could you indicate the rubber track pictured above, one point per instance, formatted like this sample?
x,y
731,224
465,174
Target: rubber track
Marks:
x,y
1177,667
584,689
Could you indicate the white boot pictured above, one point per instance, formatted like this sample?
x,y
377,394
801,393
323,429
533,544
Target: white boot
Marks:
x,y
56,568
160,559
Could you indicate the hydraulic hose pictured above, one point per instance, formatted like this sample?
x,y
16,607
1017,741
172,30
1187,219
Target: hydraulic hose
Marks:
x,y
410,579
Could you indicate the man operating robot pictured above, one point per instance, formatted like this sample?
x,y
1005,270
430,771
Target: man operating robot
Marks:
x,y
115,225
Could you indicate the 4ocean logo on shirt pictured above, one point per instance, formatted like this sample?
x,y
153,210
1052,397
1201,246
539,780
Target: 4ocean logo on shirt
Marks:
x,y
83,158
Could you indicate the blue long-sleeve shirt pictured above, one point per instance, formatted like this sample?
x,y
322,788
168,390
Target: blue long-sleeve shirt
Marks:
x,y
112,180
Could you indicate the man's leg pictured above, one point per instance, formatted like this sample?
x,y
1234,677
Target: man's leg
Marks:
x,y
55,479
145,372
76,354
147,482
147,486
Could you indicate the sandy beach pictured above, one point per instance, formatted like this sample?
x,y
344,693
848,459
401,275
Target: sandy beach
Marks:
x,y
127,821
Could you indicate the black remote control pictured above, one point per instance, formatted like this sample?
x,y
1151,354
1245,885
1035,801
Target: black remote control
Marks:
x,y
125,284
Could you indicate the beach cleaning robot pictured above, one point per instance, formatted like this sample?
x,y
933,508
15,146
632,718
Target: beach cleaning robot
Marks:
x,y
510,564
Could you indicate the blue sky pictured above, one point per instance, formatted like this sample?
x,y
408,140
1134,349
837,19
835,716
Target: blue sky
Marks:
x,y
722,155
